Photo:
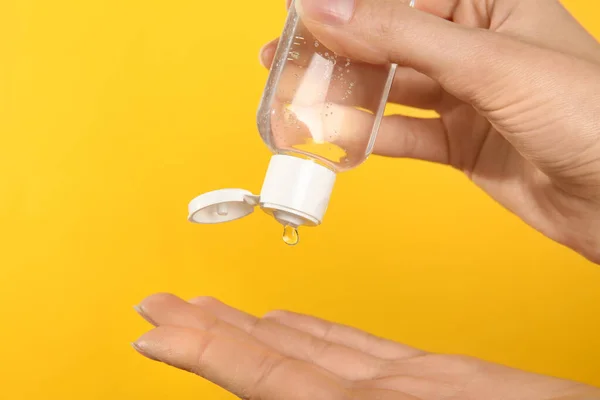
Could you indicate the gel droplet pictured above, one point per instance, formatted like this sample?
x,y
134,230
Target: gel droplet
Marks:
x,y
290,235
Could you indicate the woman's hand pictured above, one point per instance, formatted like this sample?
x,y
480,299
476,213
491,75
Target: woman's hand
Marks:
x,y
295,357
516,84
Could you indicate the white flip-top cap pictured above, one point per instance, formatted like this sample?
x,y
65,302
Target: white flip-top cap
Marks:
x,y
221,206
295,192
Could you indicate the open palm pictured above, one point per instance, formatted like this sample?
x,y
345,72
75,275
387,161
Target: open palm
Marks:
x,y
295,357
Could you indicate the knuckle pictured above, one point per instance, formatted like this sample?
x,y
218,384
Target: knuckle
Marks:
x,y
255,326
319,347
380,26
208,322
410,143
328,332
198,366
386,24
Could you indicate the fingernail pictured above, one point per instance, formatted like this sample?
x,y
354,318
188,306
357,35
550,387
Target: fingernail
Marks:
x,y
143,314
332,12
140,349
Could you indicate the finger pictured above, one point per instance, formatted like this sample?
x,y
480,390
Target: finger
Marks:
x,y
410,88
247,370
554,28
322,80
383,31
337,133
442,8
167,309
267,53
338,359
345,335
414,89
350,130
405,137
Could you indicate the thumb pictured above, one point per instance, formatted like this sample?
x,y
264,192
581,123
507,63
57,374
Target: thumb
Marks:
x,y
464,60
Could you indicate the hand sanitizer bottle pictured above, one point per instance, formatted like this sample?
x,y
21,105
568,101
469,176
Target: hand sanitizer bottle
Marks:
x,y
319,115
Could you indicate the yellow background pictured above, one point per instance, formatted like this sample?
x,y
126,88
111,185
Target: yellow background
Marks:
x,y
114,114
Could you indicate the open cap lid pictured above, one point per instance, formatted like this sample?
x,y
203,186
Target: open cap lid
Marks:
x,y
295,191
222,206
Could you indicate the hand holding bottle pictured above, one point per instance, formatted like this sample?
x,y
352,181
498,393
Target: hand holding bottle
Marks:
x,y
517,88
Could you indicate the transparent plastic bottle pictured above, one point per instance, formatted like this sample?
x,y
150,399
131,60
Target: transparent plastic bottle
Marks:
x,y
319,115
